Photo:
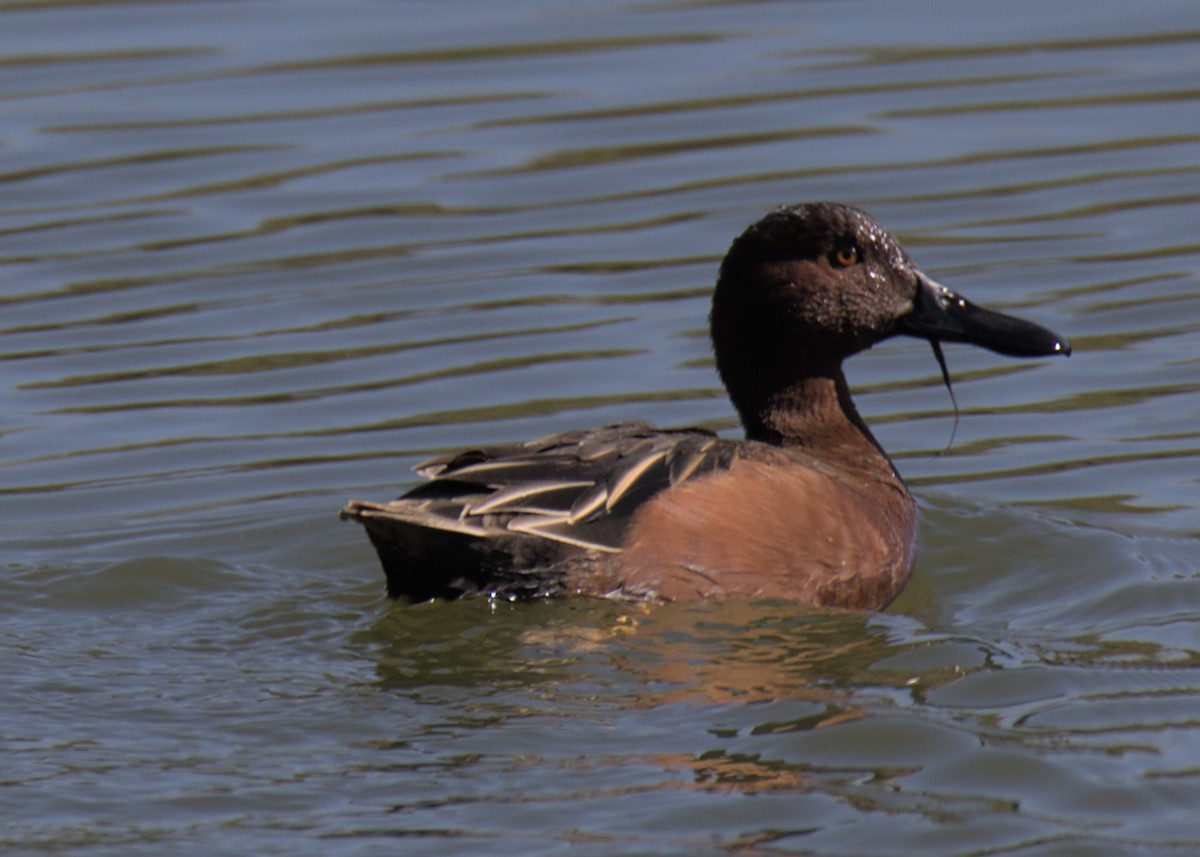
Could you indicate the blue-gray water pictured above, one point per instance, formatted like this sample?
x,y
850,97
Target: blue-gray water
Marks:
x,y
259,258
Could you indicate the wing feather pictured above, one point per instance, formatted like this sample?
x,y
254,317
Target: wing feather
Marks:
x,y
578,488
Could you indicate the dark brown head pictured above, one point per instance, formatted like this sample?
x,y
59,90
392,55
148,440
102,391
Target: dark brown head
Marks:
x,y
809,285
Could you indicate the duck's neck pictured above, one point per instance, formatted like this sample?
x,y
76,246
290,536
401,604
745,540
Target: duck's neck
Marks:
x,y
815,413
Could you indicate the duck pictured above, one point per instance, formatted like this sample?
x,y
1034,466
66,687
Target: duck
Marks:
x,y
807,507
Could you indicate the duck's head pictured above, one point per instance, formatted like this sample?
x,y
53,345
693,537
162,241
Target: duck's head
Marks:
x,y
809,285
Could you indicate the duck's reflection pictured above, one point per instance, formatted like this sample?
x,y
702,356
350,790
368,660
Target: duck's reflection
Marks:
x,y
645,654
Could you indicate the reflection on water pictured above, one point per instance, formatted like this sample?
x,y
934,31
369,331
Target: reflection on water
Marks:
x,y
251,266
739,652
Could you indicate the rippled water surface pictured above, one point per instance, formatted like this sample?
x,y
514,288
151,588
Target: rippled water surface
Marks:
x,y
259,258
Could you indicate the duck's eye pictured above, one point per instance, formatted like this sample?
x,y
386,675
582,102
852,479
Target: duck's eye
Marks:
x,y
845,257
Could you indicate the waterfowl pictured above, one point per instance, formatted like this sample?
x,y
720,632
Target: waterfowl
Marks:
x,y
808,507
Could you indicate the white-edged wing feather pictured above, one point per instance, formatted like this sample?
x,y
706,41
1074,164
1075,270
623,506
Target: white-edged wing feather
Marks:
x,y
578,488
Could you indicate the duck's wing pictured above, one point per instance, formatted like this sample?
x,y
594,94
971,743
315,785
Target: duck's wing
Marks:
x,y
577,488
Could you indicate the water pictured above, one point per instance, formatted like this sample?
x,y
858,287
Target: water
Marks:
x,y
257,259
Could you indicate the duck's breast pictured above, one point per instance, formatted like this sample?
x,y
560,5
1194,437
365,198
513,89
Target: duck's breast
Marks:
x,y
765,530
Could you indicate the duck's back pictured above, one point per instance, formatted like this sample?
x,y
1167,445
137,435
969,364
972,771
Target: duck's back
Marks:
x,y
531,519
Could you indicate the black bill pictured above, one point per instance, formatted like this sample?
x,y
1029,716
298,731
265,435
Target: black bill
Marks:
x,y
940,315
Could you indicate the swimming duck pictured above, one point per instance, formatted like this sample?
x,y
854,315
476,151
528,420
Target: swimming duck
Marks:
x,y
807,508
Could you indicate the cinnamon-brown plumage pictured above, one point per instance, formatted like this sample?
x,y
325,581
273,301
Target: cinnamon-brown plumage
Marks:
x,y
807,508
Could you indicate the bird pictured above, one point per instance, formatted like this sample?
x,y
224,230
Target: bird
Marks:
x,y
807,508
